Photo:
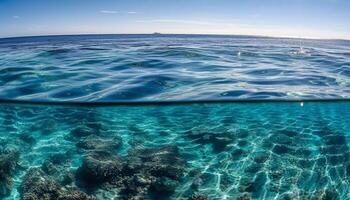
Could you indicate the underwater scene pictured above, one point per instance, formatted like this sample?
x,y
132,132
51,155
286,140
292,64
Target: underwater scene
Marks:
x,y
262,150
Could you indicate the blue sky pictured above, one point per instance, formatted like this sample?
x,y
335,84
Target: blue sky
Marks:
x,y
291,18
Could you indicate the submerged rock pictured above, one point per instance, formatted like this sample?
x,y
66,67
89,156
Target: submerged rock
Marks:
x,y
36,185
95,143
99,168
159,162
57,166
8,165
152,172
141,174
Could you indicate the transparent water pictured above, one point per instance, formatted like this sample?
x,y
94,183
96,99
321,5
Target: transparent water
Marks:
x,y
172,67
220,150
242,150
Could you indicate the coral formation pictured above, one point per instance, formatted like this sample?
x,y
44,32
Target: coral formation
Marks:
x,y
8,164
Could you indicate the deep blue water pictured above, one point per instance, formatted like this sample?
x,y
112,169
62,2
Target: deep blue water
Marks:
x,y
172,67
219,151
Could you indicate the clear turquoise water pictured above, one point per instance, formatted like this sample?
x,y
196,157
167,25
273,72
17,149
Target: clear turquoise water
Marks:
x,y
242,150
220,150
172,67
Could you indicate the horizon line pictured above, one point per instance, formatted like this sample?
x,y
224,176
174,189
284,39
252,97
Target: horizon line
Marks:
x,y
164,34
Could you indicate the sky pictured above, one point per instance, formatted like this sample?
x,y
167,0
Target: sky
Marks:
x,y
280,18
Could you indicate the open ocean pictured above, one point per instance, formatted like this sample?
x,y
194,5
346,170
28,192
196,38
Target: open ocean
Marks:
x,y
172,67
247,118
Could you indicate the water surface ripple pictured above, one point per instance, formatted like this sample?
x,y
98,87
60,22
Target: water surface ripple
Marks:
x,y
99,68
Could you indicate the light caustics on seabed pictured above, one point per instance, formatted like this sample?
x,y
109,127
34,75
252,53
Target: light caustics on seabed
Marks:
x,y
277,150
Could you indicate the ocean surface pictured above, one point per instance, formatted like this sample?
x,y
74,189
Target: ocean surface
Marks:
x,y
183,126
113,68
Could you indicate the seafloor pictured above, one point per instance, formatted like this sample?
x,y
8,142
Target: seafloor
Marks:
x,y
189,151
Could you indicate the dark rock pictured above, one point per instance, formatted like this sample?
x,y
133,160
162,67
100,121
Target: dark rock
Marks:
x,y
37,186
162,166
68,178
154,172
57,166
143,173
8,165
99,168
136,186
93,143
161,162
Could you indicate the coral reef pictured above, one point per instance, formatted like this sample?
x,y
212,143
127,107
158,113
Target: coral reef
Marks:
x,y
142,173
37,185
8,164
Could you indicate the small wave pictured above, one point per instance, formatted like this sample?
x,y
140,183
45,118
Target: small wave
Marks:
x,y
57,51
